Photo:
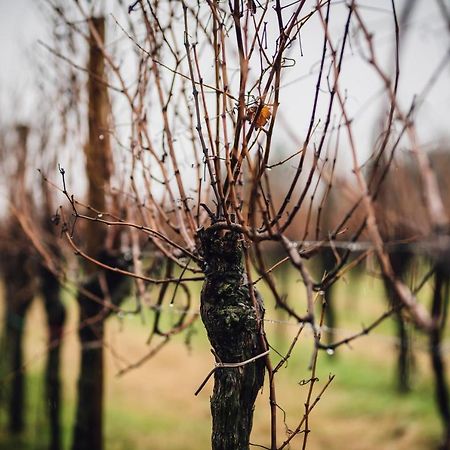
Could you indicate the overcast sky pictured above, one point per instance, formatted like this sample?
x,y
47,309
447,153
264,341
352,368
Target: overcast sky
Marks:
x,y
22,24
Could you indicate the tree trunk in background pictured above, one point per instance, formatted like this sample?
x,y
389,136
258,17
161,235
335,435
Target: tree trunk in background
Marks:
x,y
328,262
15,318
89,420
19,295
98,148
404,354
400,261
88,432
56,315
16,395
234,329
438,312
17,269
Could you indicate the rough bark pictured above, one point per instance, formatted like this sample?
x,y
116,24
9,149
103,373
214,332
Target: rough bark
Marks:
x,y
234,327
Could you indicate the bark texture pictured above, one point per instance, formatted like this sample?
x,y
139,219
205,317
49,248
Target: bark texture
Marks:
x,y
234,327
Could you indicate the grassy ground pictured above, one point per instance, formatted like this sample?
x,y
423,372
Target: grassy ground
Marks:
x,y
154,407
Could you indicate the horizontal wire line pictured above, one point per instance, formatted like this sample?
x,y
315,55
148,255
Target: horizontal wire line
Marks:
x,y
445,345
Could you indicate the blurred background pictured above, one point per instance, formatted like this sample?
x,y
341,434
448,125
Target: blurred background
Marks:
x,y
383,394
153,405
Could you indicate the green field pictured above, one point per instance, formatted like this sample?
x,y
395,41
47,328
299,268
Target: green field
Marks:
x,y
154,407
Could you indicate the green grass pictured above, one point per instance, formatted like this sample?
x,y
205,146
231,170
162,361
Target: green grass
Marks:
x,y
361,390
153,407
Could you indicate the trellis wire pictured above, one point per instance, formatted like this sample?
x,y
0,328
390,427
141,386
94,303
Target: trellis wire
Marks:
x,y
445,345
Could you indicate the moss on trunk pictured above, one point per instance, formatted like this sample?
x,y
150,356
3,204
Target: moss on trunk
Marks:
x,y
234,328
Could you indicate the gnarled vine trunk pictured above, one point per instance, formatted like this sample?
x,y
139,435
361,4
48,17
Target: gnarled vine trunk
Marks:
x,y
234,326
